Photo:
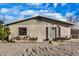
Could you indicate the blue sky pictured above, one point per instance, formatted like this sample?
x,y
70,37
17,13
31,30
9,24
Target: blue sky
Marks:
x,y
18,11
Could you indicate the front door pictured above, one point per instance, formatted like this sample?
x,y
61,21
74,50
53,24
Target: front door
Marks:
x,y
53,33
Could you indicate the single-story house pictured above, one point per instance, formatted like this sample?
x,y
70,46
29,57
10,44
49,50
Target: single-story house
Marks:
x,y
40,27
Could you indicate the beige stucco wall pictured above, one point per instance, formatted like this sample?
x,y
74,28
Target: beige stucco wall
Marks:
x,y
65,32
38,28
32,30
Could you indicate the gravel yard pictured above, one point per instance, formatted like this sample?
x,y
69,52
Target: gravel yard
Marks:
x,y
67,48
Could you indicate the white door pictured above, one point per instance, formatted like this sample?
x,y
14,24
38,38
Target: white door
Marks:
x,y
53,33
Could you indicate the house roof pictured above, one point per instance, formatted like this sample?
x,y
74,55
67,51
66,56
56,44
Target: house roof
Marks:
x,y
69,23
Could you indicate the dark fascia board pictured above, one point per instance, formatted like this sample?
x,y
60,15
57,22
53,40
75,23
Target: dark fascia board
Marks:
x,y
42,17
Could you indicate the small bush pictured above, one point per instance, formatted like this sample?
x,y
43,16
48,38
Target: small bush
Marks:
x,y
61,38
26,37
33,38
18,38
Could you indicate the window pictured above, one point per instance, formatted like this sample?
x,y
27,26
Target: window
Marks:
x,y
22,31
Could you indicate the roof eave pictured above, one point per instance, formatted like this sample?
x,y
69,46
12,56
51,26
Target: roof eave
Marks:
x,y
40,16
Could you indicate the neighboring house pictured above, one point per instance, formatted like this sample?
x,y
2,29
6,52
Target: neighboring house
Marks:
x,y
75,33
40,27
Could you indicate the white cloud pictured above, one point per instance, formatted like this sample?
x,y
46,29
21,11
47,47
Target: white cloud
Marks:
x,y
57,16
63,4
35,4
55,4
49,14
43,11
4,10
14,10
32,12
27,12
22,14
69,14
9,19
8,12
36,15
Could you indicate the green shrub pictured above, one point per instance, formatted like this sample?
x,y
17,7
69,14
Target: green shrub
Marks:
x,y
4,31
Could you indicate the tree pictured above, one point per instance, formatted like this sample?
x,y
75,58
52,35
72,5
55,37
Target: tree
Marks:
x,y
4,31
70,18
73,19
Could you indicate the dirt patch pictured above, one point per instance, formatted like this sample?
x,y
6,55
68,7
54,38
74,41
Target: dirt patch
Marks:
x,y
40,49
